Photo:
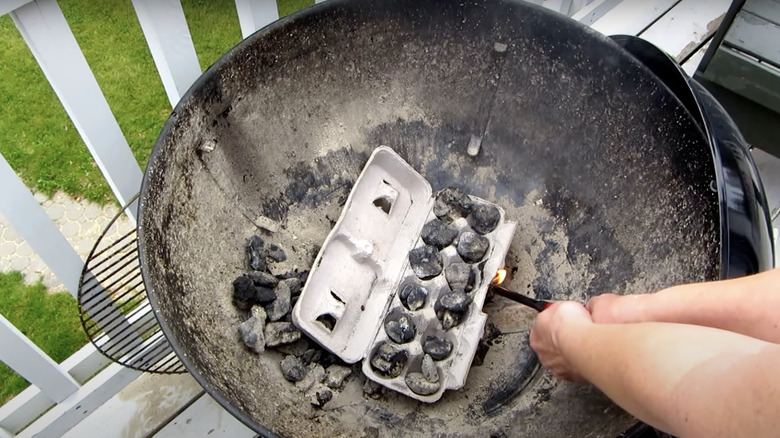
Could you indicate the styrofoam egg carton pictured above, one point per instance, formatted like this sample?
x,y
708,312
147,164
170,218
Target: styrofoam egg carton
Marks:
x,y
354,287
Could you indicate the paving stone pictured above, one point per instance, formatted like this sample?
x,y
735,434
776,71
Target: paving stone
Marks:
x,y
20,263
9,233
7,249
55,211
24,250
92,211
73,211
70,229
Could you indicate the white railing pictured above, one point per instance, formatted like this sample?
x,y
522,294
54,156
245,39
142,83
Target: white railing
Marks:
x,y
68,392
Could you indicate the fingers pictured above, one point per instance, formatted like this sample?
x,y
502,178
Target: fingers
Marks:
x,y
545,336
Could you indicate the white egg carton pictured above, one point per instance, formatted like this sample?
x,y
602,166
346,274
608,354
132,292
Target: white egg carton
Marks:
x,y
353,287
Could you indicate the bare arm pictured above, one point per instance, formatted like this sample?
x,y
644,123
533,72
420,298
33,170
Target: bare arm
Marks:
x,y
687,380
748,305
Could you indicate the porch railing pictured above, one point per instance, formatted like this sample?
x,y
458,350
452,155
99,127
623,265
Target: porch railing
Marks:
x,y
61,395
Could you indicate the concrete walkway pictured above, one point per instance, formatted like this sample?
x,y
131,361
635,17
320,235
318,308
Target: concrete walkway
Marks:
x,y
81,222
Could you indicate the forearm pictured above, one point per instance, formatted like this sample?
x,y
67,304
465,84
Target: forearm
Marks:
x,y
687,380
749,305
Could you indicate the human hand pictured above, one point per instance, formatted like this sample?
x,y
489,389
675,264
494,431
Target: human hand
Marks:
x,y
614,309
551,325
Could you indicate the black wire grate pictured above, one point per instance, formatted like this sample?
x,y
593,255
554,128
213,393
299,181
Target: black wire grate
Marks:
x,y
114,308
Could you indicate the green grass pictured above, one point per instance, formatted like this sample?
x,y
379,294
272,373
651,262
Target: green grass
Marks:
x,y
36,135
51,321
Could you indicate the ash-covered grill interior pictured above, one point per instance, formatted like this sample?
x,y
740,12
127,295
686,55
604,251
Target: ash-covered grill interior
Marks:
x,y
599,165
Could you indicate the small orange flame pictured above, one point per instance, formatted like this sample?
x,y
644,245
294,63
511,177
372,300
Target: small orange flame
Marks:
x,y
500,276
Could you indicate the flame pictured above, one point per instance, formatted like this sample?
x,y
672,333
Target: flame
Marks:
x,y
500,276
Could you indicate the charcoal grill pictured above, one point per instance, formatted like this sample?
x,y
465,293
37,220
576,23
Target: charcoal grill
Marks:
x,y
613,181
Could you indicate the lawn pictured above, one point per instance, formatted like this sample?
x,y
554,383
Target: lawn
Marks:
x,y
36,135
39,141
51,321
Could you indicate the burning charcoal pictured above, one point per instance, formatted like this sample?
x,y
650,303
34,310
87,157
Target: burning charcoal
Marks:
x,y
450,319
452,203
263,279
419,385
336,374
415,299
252,334
429,370
293,369
438,234
426,262
437,348
401,330
320,396
461,276
472,247
484,218
276,254
315,374
372,389
278,333
456,301
280,307
311,355
257,253
389,360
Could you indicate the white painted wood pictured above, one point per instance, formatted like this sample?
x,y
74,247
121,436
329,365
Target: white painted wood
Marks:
x,y
594,10
27,406
4,433
32,223
631,17
560,6
145,405
46,32
576,5
686,26
692,63
23,409
83,402
169,40
30,362
7,6
207,419
255,14
319,1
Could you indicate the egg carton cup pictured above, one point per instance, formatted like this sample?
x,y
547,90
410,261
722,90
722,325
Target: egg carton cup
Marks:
x,y
353,288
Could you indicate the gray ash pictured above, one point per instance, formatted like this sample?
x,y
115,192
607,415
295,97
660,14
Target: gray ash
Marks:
x,y
400,330
436,347
449,319
389,360
279,333
426,262
438,233
484,218
429,370
420,385
461,276
413,296
452,203
472,247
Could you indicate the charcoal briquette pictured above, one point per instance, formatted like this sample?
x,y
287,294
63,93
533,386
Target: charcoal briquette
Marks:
x,y
372,389
257,253
420,385
243,292
401,330
426,262
322,396
461,276
263,279
281,306
278,333
275,253
452,203
472,247
311,355
252,333
413,296
450,319
429,370
438,233
390,360
293,369
437,348
484,218
264,295
456,301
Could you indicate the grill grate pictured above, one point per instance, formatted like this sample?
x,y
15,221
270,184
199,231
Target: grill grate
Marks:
x,y
114,308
